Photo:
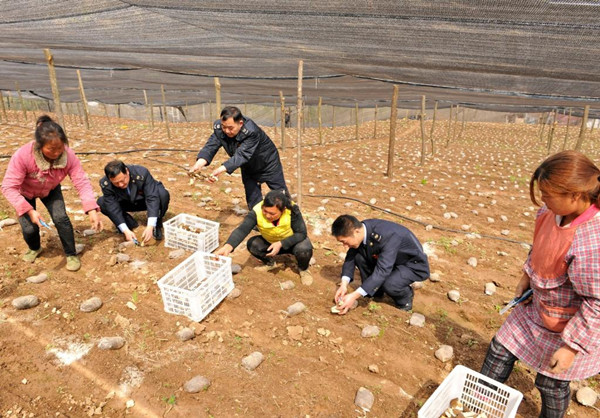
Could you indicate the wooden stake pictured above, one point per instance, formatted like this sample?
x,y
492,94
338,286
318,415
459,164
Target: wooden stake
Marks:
x,y
80,113
299,139
432,128
455,123
151,113
586,111
449,125
332,117
544,120
274,117
54,85
86,110
166,117
564,147
393,117
210,112
118,112
375,123
462,124
356,120
218,94
3,107
282,101
148,108
320,121
23,109
551,134
423,138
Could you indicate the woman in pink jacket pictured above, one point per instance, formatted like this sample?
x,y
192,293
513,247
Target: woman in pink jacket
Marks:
x,y
35,171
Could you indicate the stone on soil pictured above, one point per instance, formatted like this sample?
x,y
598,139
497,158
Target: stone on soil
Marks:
x,y
586,396
111,343
287,285
235,268
196,384
235,293
252,361
122,258
454,295
185,334
40,278
472,261
370,331
7,222
417,320
91,305
295,309
89,232
490,288
444,353
177,253
364,399
26,302
79,248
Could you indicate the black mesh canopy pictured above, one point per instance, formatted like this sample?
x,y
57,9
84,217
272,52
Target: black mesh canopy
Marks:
x,y
518,55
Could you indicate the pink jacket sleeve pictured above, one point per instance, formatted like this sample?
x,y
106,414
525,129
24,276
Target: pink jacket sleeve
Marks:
x,y
13,179
81,182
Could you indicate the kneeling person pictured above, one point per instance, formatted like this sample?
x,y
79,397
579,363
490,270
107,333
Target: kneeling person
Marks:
x,y
282,231
133,189
388,256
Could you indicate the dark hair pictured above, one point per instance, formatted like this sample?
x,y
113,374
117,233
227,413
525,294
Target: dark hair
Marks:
x,y
47,130
279,199
231,112
114,168
344,225
567,172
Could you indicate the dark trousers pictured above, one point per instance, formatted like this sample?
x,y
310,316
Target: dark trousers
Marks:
x,y
138,206
397,285
252,187
303,251
55,203
556,394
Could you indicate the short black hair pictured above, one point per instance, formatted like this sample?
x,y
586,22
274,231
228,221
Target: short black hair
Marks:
x,y
344,225
114,168
231,112
279,199
47,130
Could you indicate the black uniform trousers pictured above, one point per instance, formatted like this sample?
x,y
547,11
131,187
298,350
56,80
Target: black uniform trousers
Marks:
x,y
303,251
253,190
139,206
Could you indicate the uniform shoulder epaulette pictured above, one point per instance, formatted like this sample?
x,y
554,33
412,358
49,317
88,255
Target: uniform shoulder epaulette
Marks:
x,y
104,183
245,131
375,236
217,126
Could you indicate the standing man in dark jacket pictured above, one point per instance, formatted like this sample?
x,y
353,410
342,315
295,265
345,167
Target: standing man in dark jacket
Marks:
x,y
249,148
132,189
388,256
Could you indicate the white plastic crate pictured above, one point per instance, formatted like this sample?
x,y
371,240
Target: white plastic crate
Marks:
x,y
191,233
197,285
478,393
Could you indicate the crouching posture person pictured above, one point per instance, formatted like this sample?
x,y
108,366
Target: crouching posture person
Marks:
x,y
282,231
388,256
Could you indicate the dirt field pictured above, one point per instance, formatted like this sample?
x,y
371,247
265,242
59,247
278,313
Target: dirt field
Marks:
x,y
476,184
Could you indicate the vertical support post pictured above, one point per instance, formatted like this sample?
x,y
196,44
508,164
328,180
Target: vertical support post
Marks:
x,y
564,147
274,117
332,117
151,113
462,124
320,120
148,109
282,101
393,117
586,112
23,109
210,112
3,107
375,123
299,139
86,110
162,89
432,128
218,94
544,120
356,121
423,138
449,125
551,134
54,85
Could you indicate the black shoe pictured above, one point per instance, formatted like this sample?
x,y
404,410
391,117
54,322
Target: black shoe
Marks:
x,y
405,301
131,222
158,233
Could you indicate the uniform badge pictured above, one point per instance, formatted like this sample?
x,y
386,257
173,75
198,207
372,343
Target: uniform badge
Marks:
x,y
217,126
105,183
245,131
375,236
370,243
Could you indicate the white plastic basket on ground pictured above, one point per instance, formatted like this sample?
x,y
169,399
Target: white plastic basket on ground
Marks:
x,y
197,285
191,233
478,393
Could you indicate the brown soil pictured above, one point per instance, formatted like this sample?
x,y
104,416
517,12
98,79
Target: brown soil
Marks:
x,y
486,169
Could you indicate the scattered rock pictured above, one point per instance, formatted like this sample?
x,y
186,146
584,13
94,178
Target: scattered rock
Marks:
x,y
79,248
472,261
111,343
417,285
444,353
235,268
364,399
252,361
428,227
370,331
312,261
505,232
295,309
185,334
7,222
91,305
122,258
373,368
502,253
586,396
26,302
196,384
454,295
89,232
40,278
434,277
122,321
417,320
126,244
490,288
180,252
295,332
287,285
235,293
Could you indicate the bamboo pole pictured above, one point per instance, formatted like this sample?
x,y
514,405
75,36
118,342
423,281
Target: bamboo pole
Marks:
x,y
449,125
299,138
544,120
151,113
432,128
454,135
166,117
375,123
332,117
23,109
105,112
55,90
3,107
551,133
356,120
210,112
423,138
148,108
118,112
245,109
320,121
218,94
462,124
564,147
80,113
393,117
86,110
282,101
586,111
274,117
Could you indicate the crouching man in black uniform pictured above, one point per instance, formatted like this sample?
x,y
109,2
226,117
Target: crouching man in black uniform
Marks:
x,y
388,256
132,189
250,148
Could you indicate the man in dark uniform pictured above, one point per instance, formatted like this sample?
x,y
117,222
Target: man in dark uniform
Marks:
x,y
249,148
388,256
132,189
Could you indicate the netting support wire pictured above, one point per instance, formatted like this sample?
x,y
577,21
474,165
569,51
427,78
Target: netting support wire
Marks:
x,y
393,117
54,85
299,137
